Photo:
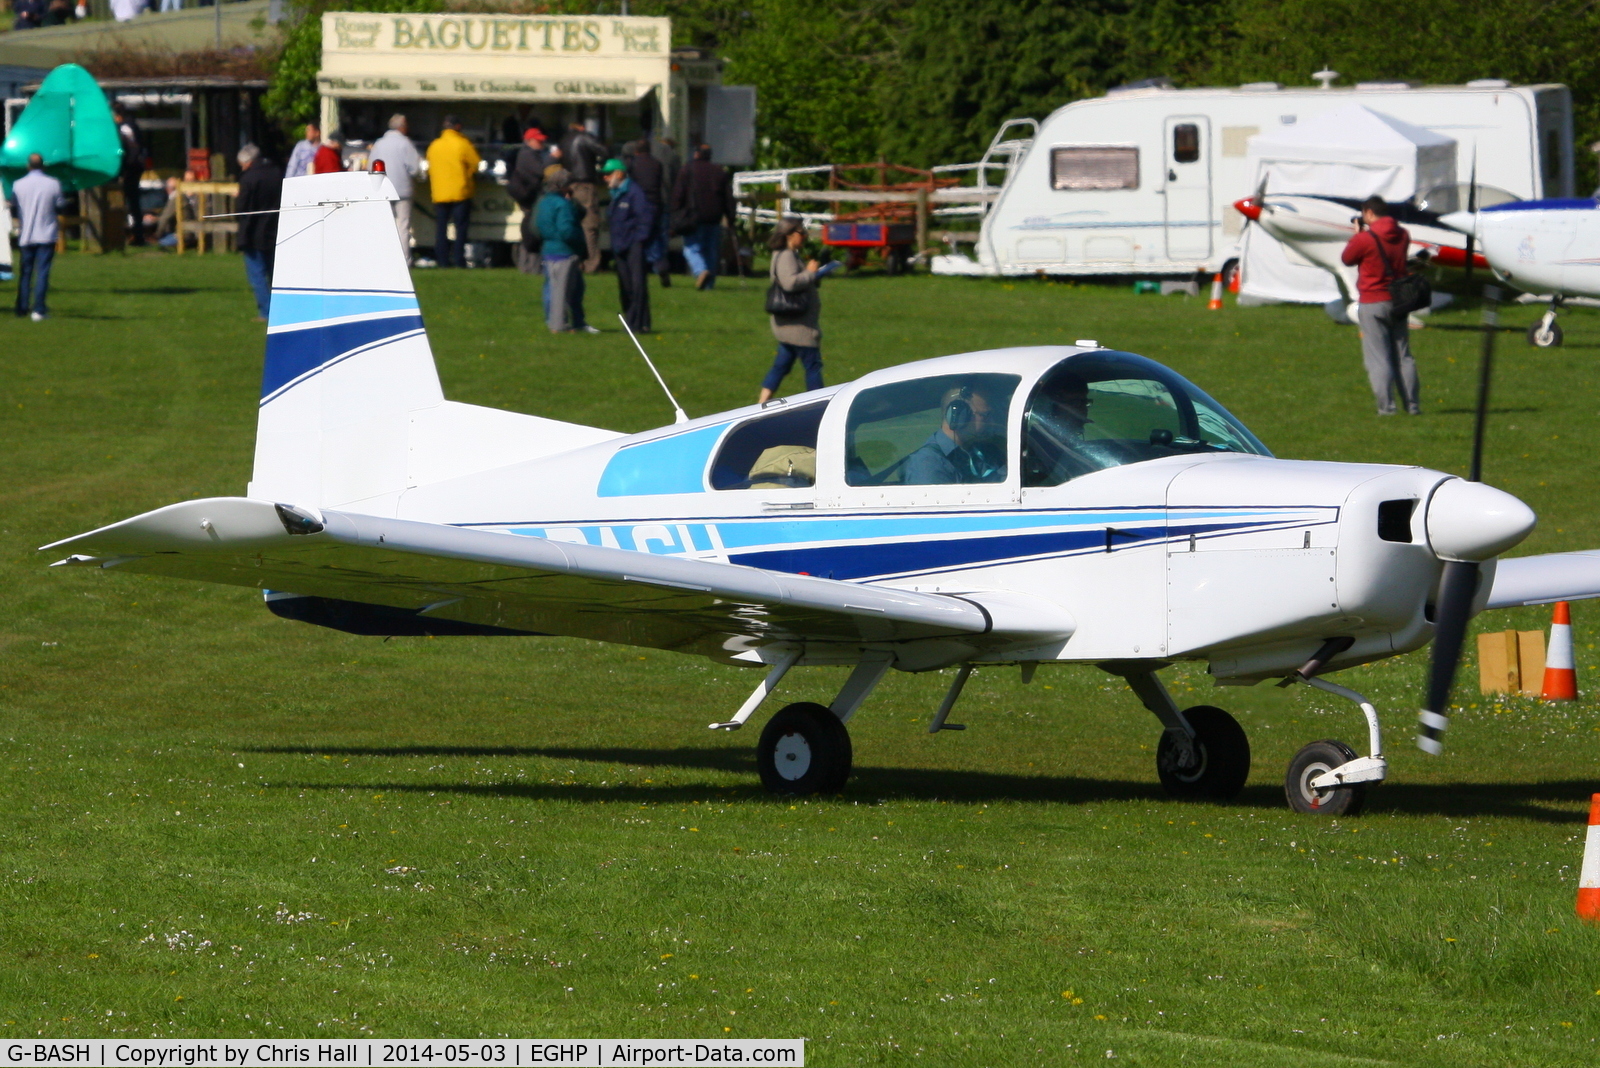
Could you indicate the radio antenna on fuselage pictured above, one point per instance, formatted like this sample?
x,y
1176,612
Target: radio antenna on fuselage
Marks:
x,y
681,416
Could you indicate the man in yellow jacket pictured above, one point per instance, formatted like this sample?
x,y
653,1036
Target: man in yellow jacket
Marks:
x,y
452,165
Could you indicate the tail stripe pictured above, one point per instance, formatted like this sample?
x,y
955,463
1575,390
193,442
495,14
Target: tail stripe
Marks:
x,y
294,308
294,356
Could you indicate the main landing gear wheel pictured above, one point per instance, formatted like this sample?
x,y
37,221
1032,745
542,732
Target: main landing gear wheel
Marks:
x,y
1544,336
1312,761
804,749
1222,753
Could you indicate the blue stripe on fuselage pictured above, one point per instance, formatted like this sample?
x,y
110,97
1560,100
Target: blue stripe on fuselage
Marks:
x,y
868,561
880,546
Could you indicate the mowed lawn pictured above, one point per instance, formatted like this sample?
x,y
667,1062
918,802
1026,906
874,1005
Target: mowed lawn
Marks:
x,y
219,823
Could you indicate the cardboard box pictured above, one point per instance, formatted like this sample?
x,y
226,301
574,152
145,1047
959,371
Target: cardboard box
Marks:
x,y
1511,661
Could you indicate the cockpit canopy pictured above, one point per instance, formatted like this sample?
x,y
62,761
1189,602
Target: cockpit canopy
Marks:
x,y
1106,409
1089,412
959,426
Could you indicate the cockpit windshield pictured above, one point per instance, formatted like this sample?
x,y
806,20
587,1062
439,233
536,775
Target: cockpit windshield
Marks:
x,y
1106,409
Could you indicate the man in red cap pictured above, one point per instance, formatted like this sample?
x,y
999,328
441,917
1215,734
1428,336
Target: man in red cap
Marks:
x,y
523,185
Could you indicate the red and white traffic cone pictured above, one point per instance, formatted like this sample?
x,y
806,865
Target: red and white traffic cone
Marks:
x,y
1589,874
1560,672
1216,293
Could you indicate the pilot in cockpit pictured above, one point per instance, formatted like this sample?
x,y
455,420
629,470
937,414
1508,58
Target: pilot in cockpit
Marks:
x,y
1053,432
969,445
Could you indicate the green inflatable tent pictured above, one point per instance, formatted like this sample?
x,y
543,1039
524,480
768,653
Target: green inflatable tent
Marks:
x,y
69,123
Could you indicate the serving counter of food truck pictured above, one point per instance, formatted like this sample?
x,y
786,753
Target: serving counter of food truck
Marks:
x,y
500,73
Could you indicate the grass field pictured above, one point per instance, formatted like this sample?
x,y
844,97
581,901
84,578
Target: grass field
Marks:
x,y
217,823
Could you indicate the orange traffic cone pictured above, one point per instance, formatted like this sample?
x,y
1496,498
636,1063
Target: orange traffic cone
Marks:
x,y
1560,673
1216,293
1589,874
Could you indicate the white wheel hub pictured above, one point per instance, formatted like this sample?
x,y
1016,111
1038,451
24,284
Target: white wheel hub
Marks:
x,y
1314,795
792,757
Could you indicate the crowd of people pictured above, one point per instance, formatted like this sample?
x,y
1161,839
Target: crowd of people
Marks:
x,y
563,186
32,14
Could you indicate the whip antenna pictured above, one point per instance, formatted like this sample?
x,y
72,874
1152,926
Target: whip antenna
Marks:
x,y
681,416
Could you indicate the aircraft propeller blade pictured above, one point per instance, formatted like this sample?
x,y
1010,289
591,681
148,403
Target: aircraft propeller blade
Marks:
x,y
1458,584
1452,613
1472,209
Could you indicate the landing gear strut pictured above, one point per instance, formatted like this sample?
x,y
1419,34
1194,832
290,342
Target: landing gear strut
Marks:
x,y
805,748
1203,753
1327,778
1220,763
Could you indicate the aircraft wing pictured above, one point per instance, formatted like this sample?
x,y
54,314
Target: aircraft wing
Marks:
x,y
1543,579
540,586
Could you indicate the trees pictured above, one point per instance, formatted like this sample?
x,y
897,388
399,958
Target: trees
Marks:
x,y
928,81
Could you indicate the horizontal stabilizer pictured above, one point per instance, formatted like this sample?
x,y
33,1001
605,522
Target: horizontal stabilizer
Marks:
x,y
532,584
1543,579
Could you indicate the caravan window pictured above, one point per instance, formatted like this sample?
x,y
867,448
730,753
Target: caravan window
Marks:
x,y
1094,168
1185,142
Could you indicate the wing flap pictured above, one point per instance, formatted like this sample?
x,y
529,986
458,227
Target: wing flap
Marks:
x,y
532,584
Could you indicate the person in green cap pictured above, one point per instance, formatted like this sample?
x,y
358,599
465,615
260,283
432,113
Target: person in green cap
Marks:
x,y
633,221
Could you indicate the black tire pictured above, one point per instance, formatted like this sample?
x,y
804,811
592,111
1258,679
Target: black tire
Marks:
x,y
1224,752
804,750
1547,339
1230,271
1312,761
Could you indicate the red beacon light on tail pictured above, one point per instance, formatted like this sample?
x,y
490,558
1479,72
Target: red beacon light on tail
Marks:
x,y
378,167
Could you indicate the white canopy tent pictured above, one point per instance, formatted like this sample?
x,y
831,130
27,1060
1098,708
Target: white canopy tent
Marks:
x,y
1352,152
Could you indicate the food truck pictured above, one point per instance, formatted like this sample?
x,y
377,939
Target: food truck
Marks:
x,y
500,73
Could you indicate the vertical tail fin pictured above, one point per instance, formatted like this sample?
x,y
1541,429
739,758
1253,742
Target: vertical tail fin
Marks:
x,y
348,360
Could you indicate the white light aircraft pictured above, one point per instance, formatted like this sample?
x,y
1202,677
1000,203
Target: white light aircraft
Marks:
x,y
1061,505
1319,227
1547,247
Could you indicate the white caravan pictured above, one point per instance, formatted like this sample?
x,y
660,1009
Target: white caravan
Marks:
x,y
1144,180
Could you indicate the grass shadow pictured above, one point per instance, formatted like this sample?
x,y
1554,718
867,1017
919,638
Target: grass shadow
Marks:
x,y
160,291
1534,801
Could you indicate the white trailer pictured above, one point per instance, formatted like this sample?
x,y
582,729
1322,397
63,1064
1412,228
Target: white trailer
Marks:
x,y
1144,180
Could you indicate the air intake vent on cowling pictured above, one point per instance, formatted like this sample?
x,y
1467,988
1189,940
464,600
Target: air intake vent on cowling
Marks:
x,y
1394,520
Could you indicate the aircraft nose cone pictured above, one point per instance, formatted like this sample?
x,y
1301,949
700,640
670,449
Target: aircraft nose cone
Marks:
x,y
1465,222
1468,521
1249,208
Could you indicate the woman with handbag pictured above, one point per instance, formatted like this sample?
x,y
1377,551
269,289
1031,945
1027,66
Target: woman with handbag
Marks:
x,y
795,308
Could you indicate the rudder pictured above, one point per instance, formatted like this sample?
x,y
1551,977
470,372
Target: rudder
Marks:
x,y
348,360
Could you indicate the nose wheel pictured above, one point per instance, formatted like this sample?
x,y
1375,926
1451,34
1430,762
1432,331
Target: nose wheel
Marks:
x,y
1313,762
1545,334
1211,767
804,750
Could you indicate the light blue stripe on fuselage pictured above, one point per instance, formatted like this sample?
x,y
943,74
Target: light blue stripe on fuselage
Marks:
x,y
766,531
294,307
909,544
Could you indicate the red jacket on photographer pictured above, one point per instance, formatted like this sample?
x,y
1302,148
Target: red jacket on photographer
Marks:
x,y
1383,240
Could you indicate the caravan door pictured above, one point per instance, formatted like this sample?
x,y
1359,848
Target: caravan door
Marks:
x,y
1187,187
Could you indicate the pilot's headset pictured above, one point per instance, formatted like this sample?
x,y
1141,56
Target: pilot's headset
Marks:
x,y
958,415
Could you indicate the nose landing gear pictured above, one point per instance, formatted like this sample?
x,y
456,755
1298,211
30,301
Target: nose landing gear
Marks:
x,y
1545,334
1327,778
